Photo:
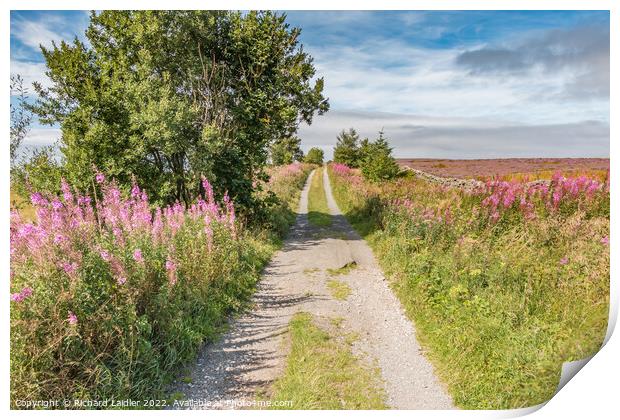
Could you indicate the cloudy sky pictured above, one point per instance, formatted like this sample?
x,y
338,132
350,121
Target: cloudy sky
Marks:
x,y
471,84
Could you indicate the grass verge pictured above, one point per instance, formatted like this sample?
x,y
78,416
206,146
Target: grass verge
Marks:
x,y
323,374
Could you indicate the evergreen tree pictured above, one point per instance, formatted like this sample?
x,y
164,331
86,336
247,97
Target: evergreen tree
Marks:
x,y
379,165
347,149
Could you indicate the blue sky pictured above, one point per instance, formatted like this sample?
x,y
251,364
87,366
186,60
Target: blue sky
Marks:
x,y
468,84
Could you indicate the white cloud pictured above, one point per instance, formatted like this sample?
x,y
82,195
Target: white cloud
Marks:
x,y
461,138
391,76
38,137
34,33
31,72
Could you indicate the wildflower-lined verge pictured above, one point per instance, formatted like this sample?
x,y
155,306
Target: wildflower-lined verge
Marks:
x,y
504,283
110,294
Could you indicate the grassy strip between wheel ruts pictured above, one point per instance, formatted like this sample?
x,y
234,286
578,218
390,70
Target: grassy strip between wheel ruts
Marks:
x,y
318,212
339,289
502,290
323,374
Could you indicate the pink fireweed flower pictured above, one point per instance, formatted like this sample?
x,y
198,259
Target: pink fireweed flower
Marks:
x,y
69,268
20,296
105,255
38,200
72,318
99,177
66,191
208,190
135,191
564,261
605,240
121,280
170,265
137,255
171,268
16,297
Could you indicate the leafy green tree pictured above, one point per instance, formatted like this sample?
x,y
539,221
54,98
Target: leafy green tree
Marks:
x,y
168,96
286,150
315,155
378,163
347,149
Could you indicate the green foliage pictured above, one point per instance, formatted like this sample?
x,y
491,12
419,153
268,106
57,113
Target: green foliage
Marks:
x,y
377,163
315,156
286,151
323,374
339,289
168,96
346,150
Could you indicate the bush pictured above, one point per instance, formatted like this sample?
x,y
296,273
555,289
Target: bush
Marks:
x,y
315,156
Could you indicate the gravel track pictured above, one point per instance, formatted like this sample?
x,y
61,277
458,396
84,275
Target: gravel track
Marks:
x,y
252,354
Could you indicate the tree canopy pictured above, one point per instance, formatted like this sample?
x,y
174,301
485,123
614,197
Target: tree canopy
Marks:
x,y
169,96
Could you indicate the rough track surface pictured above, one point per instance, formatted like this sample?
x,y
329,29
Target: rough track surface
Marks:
x,y
252,354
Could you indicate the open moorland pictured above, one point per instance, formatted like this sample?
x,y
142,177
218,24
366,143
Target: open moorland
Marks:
x,y
510,169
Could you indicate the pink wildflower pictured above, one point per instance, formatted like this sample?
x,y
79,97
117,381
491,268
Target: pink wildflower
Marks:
x,y
605,240
20,296
171,267
100,177
564,261
121,281
137,255
72,318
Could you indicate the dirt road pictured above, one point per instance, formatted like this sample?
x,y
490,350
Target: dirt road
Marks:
x,y
252,354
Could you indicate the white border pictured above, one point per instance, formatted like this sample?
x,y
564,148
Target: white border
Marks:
x,y
593,392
